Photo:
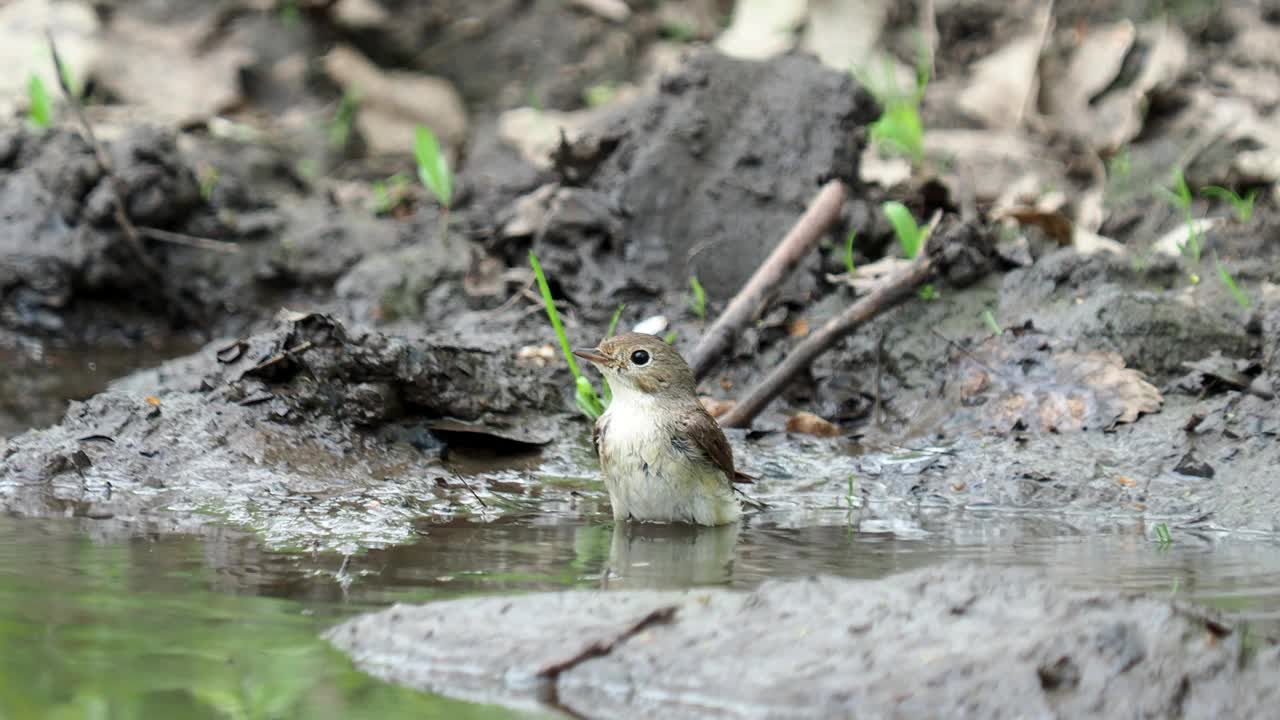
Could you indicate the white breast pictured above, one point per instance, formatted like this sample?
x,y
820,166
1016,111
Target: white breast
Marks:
x,y
649,480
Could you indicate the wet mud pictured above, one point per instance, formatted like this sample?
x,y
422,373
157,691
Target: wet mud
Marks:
x,y
981,642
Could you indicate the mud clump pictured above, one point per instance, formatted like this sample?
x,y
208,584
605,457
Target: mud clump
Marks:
x,y
979,643
59,239
264,430
703,177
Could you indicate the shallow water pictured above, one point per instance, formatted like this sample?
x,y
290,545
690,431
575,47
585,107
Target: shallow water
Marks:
x,y
99,620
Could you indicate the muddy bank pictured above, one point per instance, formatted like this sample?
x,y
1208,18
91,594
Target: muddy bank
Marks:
x,y
980,643
309,433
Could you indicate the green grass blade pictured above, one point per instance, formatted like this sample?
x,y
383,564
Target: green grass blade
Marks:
x,y
990,320
698,303
613,321
848,251
40,108
904,226
553,315
433,166
1241,297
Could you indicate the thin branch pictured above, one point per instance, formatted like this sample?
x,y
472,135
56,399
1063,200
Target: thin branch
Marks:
x,y
887,295
600,648
194,241
821,213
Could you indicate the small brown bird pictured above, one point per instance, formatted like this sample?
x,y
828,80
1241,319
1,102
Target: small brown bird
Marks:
x,y
664,459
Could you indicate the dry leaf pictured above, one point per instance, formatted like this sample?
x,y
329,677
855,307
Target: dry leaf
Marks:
x,y
394,102
714,407
810,424
1014,381
798,327
1003,85
166,71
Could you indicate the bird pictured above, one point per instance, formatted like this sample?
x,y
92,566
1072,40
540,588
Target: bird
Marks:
x,y
663,457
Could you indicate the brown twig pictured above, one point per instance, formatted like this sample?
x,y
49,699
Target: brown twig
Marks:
x,y
600,648
194,241
821,213
467,485
885,296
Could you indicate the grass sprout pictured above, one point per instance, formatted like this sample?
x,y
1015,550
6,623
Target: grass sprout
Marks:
x,y
1180,197
1241,297
698,300
848,251
1163,538
899,127
990,320
433,166
584,394
1242,207
599,94
389,193
613,321
910,236
344,119
669,338
39,106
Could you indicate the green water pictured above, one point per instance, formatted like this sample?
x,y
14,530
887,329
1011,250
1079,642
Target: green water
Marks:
x,y
102,627
101,620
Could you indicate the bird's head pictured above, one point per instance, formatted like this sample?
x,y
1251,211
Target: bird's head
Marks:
x,y
642,364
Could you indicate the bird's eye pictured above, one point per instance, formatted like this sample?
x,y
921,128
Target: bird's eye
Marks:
x,y
640,357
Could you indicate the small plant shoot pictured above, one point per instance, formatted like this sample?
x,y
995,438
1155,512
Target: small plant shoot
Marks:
x,y
698,300
584,394
39,107
910,236
1180,197
1240,296
848,251
899,128
1163,538
1241,207
433,166
992,325
344,119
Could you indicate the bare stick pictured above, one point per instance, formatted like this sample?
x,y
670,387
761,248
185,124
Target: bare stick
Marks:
x,y
883,297
194,241
822,211
600,648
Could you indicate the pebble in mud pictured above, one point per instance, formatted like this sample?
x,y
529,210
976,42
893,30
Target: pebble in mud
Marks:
x,y
945,642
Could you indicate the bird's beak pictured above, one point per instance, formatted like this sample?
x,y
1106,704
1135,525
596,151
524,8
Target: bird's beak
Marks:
x,y
594,356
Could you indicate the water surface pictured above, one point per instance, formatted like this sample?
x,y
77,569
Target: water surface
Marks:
x,y
98,619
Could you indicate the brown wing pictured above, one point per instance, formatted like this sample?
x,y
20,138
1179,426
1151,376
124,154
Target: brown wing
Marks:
x,y
705,434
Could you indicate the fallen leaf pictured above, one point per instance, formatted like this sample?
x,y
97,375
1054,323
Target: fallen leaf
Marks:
x,y
810,424
1126,481
798,327
714,407
394,102
168,72
152,400
1014,381
1002,86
